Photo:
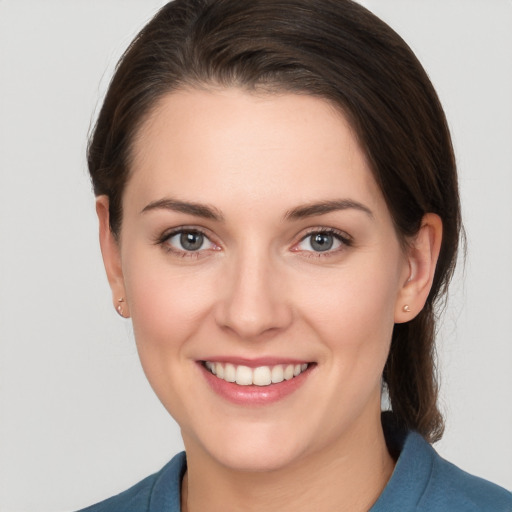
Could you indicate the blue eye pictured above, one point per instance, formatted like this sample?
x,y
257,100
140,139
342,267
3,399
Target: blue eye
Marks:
x,y
191,241
322,241
188,241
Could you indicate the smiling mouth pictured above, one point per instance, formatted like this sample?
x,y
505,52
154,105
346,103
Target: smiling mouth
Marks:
x,y
259,376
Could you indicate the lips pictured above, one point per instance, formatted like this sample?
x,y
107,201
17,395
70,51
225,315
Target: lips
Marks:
x,y
255,383
258,376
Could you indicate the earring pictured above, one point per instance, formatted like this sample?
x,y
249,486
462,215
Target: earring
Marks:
x,y
119,307
406,308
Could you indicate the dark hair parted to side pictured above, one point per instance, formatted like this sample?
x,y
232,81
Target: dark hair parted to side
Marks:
x,y
334,49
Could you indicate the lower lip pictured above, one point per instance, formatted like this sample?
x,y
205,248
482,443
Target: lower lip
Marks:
x,y
254,395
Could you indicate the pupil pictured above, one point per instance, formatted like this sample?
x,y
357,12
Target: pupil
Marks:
x,y
191,241
322,242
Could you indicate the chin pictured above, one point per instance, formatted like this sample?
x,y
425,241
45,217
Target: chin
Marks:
x,y
254,459
253,448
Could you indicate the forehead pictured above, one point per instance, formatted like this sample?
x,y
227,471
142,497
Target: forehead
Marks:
x,y
296,148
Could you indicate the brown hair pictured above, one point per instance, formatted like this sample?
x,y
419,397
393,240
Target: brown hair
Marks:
x,y
334,49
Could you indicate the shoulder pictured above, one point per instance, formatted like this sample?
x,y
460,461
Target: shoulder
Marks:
x,y
135,498
450,488
160,491
424,482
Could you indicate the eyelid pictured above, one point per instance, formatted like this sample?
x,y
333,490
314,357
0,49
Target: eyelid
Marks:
x,y
344,238
170,233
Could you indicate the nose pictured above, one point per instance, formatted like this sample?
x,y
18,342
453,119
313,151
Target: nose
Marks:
x,y
253,298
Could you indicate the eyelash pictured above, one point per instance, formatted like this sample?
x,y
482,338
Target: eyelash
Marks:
x,y
165,237
342,237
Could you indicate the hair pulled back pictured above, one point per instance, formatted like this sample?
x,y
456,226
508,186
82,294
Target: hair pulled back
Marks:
x,y
333,49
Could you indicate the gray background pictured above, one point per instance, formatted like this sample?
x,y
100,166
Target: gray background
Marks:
x,y
78,421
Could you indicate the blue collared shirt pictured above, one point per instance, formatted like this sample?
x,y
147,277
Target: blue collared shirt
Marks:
x,y
422,481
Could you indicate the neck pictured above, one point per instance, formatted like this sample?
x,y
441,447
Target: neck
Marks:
x,y
346,477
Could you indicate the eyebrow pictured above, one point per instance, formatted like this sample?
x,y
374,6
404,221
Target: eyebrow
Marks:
x,y
323,207
300,212
196,209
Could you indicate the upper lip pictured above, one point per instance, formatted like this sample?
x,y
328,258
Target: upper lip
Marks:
x,y
255,362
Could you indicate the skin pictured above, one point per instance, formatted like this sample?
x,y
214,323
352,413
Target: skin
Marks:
x,y
256,288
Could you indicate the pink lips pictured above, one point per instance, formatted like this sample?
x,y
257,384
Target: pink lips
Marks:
x,y
252,394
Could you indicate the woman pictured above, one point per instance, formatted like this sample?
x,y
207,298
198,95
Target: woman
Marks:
x,y
279,216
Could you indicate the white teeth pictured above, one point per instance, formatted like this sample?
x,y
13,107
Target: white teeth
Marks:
x,y
260,376
288,372
229,373
278,374
243,375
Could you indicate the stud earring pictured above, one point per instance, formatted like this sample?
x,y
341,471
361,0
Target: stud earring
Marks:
x,y
119,307
406,308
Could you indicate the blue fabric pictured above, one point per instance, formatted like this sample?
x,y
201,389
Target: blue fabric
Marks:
x,y
424,482
421,482
156,493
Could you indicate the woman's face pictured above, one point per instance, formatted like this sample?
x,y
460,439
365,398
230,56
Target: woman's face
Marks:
x,y
255,242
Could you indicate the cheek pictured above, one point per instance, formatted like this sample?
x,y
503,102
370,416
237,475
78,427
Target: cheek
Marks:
x,y
351,302
168,307
352,311
166,304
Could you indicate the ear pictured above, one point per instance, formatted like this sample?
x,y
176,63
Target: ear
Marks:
x,y
422,255
111,253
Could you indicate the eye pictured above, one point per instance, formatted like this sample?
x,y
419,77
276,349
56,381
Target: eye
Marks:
x,y
187,241
323,242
